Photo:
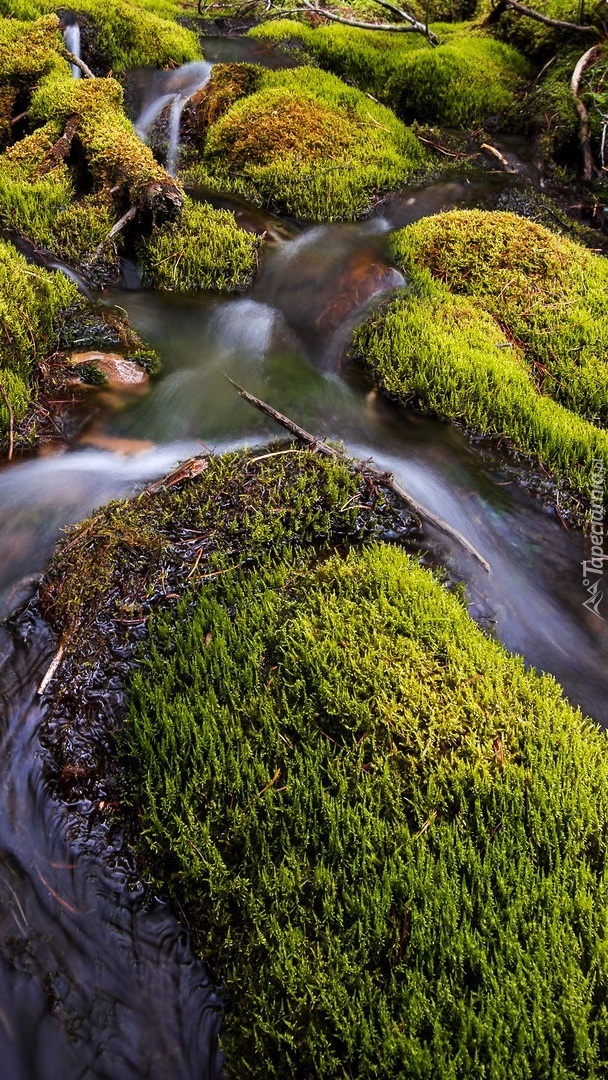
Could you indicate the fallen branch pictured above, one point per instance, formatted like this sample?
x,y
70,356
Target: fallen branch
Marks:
x,y
11,421
514,5
80,64
412,25
387,479
584,61
59,150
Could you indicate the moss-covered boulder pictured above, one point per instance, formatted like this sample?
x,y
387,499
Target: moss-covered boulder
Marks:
x,y
466,79
388,837
203,249
33,303
504,328
310,146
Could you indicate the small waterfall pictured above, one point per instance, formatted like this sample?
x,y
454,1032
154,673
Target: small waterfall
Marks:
x,y
174,88
71,37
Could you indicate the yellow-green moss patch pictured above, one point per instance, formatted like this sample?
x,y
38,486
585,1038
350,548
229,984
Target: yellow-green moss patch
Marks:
x,y
32,304
504,328
311,146
129,34
388,837
466,79
203,249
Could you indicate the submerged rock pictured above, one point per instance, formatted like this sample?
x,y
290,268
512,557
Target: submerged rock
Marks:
x,y
109,369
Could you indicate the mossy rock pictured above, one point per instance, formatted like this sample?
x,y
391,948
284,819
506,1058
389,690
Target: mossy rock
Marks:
x,y
129,34
227,84
504,327
113,152
311,146
33,303
466,79
203,249
388,837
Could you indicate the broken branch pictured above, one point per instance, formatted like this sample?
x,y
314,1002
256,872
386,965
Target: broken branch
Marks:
x,y
584,61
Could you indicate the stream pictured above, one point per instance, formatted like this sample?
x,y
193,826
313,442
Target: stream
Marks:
x,y
97,979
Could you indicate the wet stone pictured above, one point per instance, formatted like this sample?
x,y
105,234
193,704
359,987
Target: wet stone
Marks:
x,y
110,369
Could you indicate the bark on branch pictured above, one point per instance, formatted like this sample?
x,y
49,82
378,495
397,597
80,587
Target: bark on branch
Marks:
x,y
80,64
386,478
409,25
514,5
584,62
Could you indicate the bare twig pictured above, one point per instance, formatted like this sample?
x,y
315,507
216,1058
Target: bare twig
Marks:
x,y
506,164
11,421
120,224
50,671
86,71
584,61
558,23
412,24
322,447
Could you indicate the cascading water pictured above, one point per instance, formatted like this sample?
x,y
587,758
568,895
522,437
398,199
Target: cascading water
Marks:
x,y
71,36
174,88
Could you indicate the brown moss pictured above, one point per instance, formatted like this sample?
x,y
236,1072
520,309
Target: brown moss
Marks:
x,y
8,96
277,123
228,83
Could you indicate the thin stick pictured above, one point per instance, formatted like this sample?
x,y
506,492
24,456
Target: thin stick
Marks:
x,y
584,61
323,448
52,668
11,421
538,17
506,164
86,71
120,224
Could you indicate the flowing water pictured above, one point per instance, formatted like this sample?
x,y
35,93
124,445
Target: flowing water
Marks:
x,y
95,980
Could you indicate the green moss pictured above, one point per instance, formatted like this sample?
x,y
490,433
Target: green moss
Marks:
x,y
539,41
32,303
312,498
112,150
28,50
40,193
466,79
311,146
505,329
129,34
547,293
388,836
203,249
